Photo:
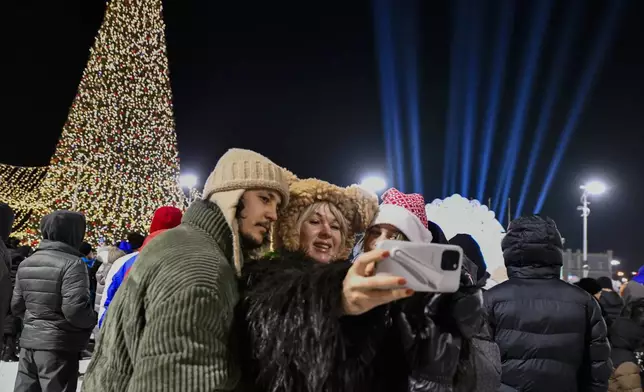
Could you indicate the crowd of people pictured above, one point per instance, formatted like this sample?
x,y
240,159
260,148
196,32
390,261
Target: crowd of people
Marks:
x,y
268,283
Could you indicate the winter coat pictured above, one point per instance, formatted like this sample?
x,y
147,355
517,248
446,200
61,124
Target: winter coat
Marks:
x,y
101,274
6,221
611,304
551,334
626,337
10,326
52,288
170,327
296,337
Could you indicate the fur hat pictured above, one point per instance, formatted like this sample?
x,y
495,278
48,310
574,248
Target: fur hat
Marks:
x,y
356,204
237,171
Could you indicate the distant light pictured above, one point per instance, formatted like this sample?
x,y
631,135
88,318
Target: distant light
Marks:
x,y
634,273
624,280
374,184
620,273
188,181
594,187
615,262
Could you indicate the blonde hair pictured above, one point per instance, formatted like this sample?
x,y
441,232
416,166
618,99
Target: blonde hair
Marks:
x,y
113,254
335,211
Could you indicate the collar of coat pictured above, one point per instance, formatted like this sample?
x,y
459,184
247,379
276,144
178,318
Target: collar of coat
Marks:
x,y
208,217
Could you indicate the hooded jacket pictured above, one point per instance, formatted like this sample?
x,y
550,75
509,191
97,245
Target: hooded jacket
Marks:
x,y
6,220
551,334
52,288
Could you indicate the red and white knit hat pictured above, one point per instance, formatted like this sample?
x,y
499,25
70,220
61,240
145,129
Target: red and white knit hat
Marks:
x,y
406,212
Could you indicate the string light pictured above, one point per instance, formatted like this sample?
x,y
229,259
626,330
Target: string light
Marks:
x,y
116,160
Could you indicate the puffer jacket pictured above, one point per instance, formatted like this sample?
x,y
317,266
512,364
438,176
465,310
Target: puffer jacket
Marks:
x,y
6,220
551,334
52,288
297,339
10,326
626,336
612,304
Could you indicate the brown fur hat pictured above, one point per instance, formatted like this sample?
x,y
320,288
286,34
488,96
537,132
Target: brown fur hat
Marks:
x,y
358,206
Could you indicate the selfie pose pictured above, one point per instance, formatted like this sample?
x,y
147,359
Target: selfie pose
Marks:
x,y
313,321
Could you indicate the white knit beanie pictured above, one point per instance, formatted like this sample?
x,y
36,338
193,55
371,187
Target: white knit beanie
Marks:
x,y
237,171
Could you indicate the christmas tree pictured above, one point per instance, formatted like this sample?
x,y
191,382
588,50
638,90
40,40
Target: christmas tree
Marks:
x,y
116,160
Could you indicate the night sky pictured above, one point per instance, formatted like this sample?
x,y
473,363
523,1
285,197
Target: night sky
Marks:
x,y
298,82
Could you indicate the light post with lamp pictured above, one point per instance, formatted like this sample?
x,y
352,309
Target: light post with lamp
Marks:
x,y
374,184
188,181
591,188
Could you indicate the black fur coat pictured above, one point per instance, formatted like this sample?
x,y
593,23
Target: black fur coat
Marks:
x,y
295,338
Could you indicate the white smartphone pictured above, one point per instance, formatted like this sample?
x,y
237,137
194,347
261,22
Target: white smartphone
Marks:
x,y
434,268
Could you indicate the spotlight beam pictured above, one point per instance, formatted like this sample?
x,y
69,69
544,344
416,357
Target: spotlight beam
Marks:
x,y
389,91
450,167
475,14
559,63
529,68
410,57
503,36
599,51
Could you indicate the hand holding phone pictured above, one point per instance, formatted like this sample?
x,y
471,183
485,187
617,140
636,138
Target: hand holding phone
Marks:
x,y
427,267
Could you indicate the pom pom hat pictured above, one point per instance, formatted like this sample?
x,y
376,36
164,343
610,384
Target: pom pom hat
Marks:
x,y
406,212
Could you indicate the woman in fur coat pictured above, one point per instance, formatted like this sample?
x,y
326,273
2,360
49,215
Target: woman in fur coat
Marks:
x,y
312,318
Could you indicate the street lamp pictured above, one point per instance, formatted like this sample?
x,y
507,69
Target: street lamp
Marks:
x,y
188,181
374,184
591,188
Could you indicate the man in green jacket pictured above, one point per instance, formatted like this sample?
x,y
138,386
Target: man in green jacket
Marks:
x,y
170,326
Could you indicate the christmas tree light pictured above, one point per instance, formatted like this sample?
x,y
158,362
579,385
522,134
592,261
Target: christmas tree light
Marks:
x,y
116,160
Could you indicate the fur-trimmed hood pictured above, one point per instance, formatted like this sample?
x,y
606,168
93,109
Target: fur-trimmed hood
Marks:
x,y
358,206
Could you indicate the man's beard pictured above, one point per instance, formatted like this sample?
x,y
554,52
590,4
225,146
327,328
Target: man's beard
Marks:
x,y
248,243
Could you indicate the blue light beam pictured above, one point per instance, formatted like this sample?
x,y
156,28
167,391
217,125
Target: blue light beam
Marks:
x,y
410,58
476,15
450,161
529,68
503,36
559,63
389,92
605,36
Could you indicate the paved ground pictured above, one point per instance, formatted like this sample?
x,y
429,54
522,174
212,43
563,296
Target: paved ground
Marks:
x,y
8,371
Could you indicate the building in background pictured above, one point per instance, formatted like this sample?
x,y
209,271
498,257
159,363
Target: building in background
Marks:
x,y
599,264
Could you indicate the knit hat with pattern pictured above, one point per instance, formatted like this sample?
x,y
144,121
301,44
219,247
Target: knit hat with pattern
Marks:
x,y
406,212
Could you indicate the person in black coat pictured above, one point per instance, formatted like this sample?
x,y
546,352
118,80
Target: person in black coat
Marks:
x,y
6,220
52,296
612,304
551,334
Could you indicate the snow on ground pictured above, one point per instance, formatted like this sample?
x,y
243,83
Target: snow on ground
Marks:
x,y
8,371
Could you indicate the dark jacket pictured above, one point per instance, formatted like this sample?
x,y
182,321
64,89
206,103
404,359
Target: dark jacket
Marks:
x,y
551,334
626,337
612,305
297,339
6,221
52,288
16,255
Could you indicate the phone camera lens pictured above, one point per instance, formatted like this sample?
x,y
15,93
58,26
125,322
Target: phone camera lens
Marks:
x,y
449,260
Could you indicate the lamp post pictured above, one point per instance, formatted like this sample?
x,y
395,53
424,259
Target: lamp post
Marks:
x,y
591,188
188,181
374,184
